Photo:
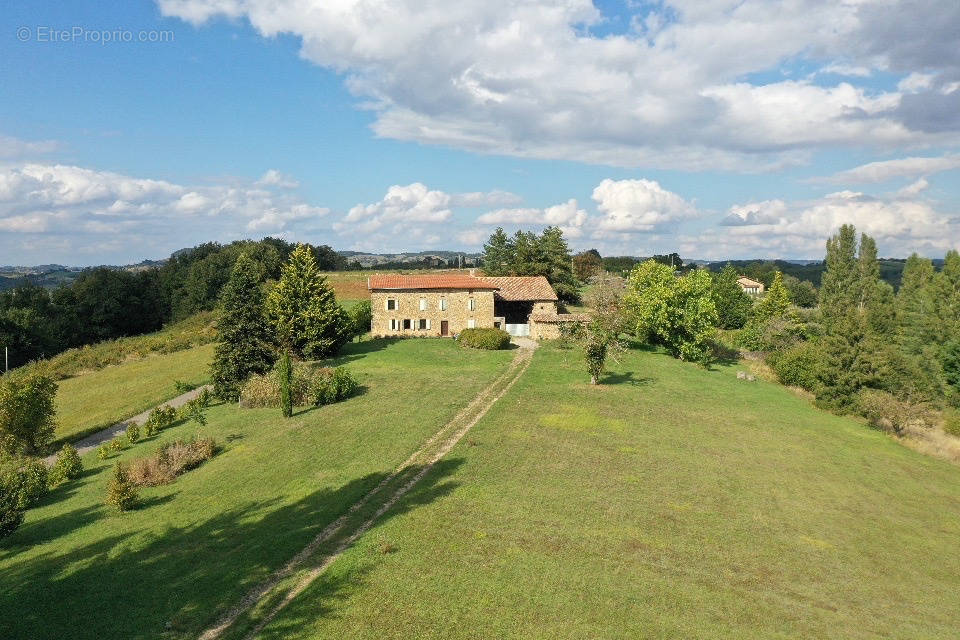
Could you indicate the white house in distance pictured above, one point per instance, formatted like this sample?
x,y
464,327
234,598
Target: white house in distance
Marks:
x,y
752,287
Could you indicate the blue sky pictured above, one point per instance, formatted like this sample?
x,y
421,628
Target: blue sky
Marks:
x,y
720,130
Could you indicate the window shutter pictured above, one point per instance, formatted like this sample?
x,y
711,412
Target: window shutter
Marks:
x,y
428,324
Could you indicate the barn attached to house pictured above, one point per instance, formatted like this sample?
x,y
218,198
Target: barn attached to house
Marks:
x,y
445,304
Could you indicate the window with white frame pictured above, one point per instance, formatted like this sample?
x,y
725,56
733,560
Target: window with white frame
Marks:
x,y
471,324
423,324
472,304
443,304
391,304
423,304
407,323
394,324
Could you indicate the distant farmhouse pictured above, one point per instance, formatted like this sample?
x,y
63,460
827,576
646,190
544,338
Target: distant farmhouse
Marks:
x,y
750,286
446,304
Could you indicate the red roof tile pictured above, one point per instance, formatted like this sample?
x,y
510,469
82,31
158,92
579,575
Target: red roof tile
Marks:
x,y
432,281
513,288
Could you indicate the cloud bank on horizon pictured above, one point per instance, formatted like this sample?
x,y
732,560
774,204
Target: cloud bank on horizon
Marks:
x,y
719,87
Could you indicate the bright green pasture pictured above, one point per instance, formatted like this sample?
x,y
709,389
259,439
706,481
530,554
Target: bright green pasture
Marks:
x,y
669,502
75,569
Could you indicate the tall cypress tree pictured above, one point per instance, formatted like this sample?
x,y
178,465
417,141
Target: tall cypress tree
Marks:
x,y
304,310
245,343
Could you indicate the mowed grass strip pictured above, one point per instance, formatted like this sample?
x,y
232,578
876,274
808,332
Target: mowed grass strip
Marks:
x,y
670,502
96,400
171,568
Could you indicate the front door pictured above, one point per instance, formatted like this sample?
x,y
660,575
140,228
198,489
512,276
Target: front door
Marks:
x,y
444,328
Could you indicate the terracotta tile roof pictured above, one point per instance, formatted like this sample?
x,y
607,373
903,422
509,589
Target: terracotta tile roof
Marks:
x,y
513,288
431,281
747,282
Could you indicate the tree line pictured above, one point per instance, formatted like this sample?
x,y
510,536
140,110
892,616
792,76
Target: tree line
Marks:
x,y
528,254
104,303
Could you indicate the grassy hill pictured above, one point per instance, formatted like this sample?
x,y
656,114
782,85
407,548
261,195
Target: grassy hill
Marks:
x,y
75,569
670,502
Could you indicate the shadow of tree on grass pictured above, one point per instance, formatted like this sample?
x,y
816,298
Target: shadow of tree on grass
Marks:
x,y
169,581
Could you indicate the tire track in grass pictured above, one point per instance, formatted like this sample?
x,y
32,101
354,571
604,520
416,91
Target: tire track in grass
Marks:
x,y
431,452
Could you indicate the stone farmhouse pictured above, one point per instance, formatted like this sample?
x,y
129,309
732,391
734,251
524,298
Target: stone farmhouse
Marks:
x,y
750,286
446,304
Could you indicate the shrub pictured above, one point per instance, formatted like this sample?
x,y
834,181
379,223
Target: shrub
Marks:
x,y
67,467
194,410
170,460
103,451
159,419
119,443
11,515
133,432
487,338
26,412
26,478
308,385
182,387
329,386
951,423
798,366
887,412
121,492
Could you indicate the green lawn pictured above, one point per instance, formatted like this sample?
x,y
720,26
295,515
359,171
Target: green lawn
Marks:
x,y
74,569
96,400
670,502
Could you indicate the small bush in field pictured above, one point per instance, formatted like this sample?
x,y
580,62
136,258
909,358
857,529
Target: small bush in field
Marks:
x,y
67,467
182,387
487,338
103,451
119,443
308,385
951,423
121,492
797,366
26,478
193,410
887,412
159,419
133,432
329,386
171,460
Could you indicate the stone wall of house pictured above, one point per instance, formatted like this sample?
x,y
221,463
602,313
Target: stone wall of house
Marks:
x,y
544,307
544,330
408,307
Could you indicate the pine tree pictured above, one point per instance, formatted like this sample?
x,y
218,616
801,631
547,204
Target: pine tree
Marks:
x,y
497,253
559,263
916,306
245,343
304,311
946,294
839,282
775,302
733,305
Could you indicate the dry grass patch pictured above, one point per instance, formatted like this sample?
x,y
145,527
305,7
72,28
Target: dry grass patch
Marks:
x,y
171,460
